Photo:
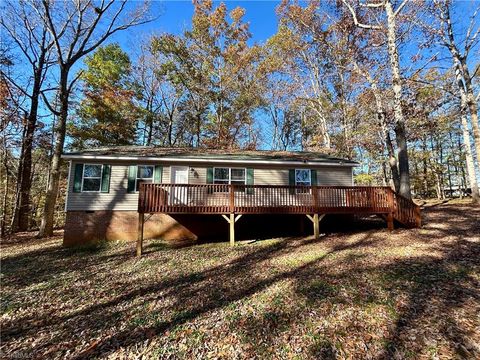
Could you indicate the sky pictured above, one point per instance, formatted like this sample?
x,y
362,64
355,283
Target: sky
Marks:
x,y
175,16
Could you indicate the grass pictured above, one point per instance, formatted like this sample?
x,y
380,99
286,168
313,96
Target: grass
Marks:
x,y
362,294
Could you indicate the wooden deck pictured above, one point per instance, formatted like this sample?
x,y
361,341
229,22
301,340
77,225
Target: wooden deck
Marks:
x,y
270,199
237,200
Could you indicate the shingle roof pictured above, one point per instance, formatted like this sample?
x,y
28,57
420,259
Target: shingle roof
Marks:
x,y
203,153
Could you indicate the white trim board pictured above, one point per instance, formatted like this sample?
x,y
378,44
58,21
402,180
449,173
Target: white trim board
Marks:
x,y
204,161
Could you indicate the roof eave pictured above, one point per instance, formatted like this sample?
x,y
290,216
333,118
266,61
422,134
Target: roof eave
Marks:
x,y
206,160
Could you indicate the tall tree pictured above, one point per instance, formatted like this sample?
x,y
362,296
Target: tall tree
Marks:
x,y
301,55
315,47
217,68
391,14
30,35
10,127
382,121
460,51
183,69
77,29
460,44
229,63
161,95
108,114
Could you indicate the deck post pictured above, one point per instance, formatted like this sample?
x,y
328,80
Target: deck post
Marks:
x,y
316,226
141,217
231,221
315,219
232,229
390,221
232,198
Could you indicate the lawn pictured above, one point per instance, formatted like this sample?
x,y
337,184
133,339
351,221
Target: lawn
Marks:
x,y
363,294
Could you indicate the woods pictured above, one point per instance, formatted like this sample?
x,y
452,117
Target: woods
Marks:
x,y
391,84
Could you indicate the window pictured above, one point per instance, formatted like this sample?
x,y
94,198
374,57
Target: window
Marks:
x,y
221,175
227,176
237,176
144,175
303,178
92,178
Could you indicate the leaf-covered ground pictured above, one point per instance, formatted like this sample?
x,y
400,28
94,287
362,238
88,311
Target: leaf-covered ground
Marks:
x,y
367,294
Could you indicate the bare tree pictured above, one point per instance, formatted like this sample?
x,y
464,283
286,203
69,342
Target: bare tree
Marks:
x,y
391,14
161,98
31,38
460,58
77,28
440,28
144,73
386,139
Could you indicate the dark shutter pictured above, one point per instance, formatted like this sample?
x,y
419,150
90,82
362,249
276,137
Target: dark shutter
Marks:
x,y
209,175
106,170
250,181
209,178
132,176
77,178
157,177
313,177
291,180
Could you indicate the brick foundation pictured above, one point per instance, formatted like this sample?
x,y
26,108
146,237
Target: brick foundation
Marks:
x,y
82,227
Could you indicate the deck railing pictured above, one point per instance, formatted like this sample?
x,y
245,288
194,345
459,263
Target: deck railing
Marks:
x,y
274,199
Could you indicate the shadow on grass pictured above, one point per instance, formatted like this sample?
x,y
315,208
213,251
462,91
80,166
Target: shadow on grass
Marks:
x,y
433,289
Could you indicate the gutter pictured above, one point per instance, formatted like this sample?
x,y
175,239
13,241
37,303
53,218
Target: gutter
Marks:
x,y
204,161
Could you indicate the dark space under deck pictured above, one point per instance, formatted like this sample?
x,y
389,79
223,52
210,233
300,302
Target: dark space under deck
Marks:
x,y
234,201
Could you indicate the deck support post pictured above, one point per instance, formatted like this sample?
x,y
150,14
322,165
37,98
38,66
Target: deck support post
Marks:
x,y
315,219
390,221
316,226
232,219
141,222
232,229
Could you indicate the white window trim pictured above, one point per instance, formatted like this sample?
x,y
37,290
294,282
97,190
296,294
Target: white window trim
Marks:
x,y
136,175
301,191
229,175
309,177
96,177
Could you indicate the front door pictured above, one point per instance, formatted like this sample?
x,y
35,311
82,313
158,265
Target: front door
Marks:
x,y
179,195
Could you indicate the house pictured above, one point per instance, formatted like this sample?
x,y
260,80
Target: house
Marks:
x,y
132,192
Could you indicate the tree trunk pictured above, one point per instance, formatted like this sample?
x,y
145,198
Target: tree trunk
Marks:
x,y
3,226
46,226
464,80
466,133
469,159
400,131
25,169
16,202
170,129
472,107
425,170
149,129
392,160
4,206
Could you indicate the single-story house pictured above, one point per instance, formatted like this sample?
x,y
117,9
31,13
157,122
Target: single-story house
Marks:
x,y
175,188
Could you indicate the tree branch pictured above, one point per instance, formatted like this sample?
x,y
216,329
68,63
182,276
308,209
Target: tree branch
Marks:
x,y
355,20
49,106
372,5
75,79
400,7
